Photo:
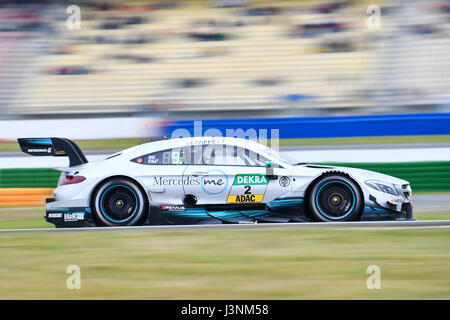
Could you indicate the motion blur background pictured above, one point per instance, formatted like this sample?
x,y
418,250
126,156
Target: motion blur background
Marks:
x,y
339,82
110,74
230,58
105,70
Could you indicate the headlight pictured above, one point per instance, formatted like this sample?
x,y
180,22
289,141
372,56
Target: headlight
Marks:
x,y
382,187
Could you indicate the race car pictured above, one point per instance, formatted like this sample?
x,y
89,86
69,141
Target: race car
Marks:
x,y
205,180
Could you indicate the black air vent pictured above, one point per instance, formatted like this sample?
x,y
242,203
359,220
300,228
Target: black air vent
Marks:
x,y
318,166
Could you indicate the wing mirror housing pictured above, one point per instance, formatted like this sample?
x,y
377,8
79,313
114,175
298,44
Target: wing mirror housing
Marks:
x,y
269,171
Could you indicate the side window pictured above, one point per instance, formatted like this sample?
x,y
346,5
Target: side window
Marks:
x,y
229,155
173,156
255,159
222,155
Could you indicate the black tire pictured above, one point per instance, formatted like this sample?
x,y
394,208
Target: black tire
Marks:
x,y
119,202
335,198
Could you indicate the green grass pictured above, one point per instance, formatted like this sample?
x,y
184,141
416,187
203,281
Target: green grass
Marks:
x,y
119,144
432,216
111,144
227,264
23,218
24,222
12,210
432,192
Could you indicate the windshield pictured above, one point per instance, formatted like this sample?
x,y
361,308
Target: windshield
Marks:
x,y
279,157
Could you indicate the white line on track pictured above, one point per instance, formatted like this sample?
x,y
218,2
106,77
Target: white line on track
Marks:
x,y
428,224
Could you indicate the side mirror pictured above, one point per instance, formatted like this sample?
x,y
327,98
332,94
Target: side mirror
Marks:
x,y
269,171
269,164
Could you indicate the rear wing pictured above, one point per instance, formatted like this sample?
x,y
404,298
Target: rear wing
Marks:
x,y
55,147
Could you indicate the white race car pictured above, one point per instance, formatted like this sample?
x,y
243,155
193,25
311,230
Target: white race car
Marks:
x,y
211,180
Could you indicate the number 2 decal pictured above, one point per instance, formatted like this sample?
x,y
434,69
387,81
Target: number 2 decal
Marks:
x,y
247,190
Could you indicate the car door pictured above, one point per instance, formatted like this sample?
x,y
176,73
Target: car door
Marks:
x,y
162,175
210,179
276,178
233,175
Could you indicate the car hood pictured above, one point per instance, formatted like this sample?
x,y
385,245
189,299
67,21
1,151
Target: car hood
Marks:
x,y
358,174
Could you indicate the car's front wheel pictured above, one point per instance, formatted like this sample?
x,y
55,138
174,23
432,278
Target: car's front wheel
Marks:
x,y
119,202
335,198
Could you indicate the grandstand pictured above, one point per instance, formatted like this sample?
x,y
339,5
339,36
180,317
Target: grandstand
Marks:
x,y
290,56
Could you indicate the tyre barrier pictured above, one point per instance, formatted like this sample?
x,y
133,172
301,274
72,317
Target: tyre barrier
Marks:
x,y
24,197
27,187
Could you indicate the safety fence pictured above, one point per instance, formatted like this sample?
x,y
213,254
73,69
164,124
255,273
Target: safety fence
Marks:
x,y
29,178
30,187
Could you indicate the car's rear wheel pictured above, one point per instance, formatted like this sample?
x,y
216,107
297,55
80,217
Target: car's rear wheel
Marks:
x,y
335,198
119,202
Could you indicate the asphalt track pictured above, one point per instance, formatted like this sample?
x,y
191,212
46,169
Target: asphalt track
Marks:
x,y
409,145
366,225
423,203
432,203
312,155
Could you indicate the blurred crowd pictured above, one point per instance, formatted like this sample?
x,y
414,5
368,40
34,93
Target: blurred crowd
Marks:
x,y
232,57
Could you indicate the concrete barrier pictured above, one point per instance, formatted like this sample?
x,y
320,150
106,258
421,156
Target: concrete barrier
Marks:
x,y
424,176
82,129
328,127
